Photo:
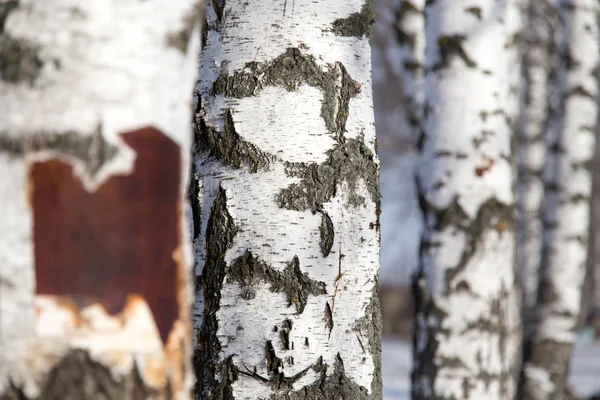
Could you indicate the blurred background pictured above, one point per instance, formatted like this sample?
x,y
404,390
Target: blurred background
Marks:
x,y
401,227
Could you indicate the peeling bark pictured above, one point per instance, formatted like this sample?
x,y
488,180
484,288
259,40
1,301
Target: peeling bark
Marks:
x,y
94,254
567,179
467,327
288,181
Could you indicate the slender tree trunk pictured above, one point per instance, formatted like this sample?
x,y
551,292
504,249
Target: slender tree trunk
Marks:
x,y
567,201
410,28
538,66
467,336
287,229
94,149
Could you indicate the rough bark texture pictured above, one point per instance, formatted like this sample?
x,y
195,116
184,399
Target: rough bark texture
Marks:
x,y
538,97
94,149
467,328
568,185
410,29
287,227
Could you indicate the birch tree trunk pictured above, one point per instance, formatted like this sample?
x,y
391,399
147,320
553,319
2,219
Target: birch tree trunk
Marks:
x,y
567,202
539,73
287,223
94,150
467,327
410,28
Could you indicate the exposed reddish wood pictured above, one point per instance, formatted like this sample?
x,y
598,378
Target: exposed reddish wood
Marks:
x,y
115,241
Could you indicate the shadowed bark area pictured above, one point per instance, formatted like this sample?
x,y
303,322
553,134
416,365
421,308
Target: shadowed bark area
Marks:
x,y
114,241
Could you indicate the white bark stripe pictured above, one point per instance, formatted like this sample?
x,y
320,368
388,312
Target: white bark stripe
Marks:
x,y
75,76
285,90
467,323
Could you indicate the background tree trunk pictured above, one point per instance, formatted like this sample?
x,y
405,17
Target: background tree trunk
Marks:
x,y
467,337
410,28
94,148
539,73
287,225
568,185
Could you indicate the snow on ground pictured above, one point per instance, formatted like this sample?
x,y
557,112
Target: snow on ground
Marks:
x,y
396,357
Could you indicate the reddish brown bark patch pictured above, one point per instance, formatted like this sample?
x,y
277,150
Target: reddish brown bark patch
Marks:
x,y
117,240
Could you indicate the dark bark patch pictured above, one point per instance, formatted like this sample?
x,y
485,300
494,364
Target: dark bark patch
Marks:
x,y
220,232
405,38
78,377
357,24
284,334
327,234
219,7
289,71
180,39
115,241
476,11
333,387
94,151
348,162
545,354
229,147
20,60
451,46
248,270
371,326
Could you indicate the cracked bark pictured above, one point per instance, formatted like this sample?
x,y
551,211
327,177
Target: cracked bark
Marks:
x,y
567,180
467,324
288,181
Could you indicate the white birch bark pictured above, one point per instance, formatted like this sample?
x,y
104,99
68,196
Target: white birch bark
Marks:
x,y
410,29
89,91
467,327
287,228
568,184
539,69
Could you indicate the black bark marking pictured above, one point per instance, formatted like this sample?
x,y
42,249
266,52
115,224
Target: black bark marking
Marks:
x,y
180,38
333,387
228,147
220,232
219,7
451,46
94,151
284,334
404,38
327,234
289,71
476,11
358,24
193,194
78,377
348,162
248,270
19,58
